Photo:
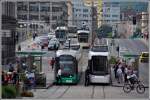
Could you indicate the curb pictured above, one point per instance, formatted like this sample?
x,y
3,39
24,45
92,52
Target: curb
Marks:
x,y
50,85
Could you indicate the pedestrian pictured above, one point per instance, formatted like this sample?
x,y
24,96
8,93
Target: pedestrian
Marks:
x,y
15,78
52,63
87,72
115,70
125,74
119,73
19,47
58,78
3,78
33,36
11,67
24,66
32,79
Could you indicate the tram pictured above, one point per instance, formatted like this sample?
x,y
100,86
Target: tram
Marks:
x,y
61,33
98,65
67,61
84,38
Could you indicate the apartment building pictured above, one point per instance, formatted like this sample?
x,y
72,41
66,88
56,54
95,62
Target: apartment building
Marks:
x,y
43,16
82,14
9,24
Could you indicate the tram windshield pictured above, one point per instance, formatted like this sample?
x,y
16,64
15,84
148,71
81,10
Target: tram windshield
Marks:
x,y
60,33
99,65
67,68
83,37
67,65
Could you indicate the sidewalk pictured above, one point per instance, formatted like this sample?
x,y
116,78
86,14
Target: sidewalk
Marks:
x,y
114,81
146,42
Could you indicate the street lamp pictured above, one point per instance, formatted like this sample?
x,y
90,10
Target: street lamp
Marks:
x,y
69,42
21,26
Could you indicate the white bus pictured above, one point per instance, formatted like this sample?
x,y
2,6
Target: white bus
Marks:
x,y
84,38
98,65
61,33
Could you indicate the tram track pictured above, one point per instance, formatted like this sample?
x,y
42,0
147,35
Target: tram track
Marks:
x,y
93,91
104,96
54,88
63,92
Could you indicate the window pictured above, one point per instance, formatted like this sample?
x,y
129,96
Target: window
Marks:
x,y
56,9
22,17
33,17
34,8
106,15
114,15
99,64
54,18
83,38
85,10
45,9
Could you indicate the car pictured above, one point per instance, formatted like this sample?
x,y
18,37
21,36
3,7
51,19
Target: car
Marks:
x,y
43,41
51,35
53,44
144,57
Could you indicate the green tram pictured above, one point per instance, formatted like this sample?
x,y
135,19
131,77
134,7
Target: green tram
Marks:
x,y
67,61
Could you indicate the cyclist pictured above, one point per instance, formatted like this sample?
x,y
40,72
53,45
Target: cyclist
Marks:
x,y
132,78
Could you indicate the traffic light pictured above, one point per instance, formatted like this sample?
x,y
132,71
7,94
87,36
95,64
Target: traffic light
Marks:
x,y
134,20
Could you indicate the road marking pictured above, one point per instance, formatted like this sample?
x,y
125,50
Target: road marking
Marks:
x,y
92,95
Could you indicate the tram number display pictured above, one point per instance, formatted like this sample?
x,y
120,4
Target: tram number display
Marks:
x,y
69,81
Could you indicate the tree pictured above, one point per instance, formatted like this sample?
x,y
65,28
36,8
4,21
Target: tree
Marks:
x,y
104,31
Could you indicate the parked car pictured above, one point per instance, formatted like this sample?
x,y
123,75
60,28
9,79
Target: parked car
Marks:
x,y
53,44
144,57
51,35
44,40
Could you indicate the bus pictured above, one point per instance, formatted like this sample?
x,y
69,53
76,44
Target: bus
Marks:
x,y
84,38
61,33
98,65
67,61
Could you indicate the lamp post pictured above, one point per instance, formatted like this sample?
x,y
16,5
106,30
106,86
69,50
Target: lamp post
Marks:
x,y
69,42
21,31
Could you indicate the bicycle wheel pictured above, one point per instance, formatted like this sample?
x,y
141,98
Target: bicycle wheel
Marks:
x,y
140,89
127,88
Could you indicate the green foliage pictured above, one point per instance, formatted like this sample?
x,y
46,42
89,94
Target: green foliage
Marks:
x,y
9,91
22,76
112,60
104,31
27,94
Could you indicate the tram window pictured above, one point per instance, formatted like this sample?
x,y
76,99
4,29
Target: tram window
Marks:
x,y
77,47
99,63
100,48
60,33
67,67
66,58
84,40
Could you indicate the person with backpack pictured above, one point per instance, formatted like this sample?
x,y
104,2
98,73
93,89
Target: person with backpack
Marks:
x,y
52,63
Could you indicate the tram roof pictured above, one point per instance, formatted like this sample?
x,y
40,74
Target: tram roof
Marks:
x,y
62,28
66,52
92,53
83,31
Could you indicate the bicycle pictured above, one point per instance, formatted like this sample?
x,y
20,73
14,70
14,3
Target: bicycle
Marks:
x,y
139,87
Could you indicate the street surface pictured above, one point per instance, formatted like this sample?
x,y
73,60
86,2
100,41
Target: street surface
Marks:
x,y
93,91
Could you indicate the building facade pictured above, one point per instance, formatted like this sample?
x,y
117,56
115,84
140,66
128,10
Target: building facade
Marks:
x,y
43,16
82,14
111,13
9,24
